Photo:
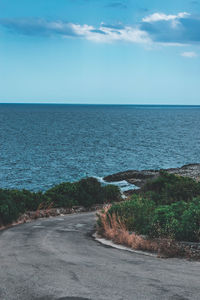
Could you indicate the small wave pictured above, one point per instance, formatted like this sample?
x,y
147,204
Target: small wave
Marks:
x,y
123,185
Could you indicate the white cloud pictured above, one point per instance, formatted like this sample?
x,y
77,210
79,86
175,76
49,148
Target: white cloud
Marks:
x,y
81,29
106,34
172,30
189,54
163,17
131,34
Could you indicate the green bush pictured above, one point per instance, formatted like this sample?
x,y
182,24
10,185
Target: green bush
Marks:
x,y
136,214
63,195
8,208
169,188
190,222
85,192
111,193
26,200
165,221
168,207
180,221
89,192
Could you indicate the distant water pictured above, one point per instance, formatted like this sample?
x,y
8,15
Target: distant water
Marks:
x,y
41,145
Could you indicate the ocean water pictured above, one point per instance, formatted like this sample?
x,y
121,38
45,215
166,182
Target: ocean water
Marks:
x,y
41,145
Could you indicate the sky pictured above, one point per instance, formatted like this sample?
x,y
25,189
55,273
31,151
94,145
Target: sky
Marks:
x,y
100,51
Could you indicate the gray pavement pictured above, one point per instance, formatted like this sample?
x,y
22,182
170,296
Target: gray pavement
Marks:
x,y
57,258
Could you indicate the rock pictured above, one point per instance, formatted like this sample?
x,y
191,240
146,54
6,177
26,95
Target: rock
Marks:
x,y
78,209
139,178
132,174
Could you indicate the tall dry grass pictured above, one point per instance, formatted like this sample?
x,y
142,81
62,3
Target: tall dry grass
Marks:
x,y
43,210
113,228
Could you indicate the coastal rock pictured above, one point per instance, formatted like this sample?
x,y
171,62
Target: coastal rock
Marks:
x,y
139,178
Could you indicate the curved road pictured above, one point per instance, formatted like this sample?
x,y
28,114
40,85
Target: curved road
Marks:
x,y
56,258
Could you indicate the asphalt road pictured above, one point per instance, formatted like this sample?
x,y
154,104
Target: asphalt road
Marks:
x,y
58,259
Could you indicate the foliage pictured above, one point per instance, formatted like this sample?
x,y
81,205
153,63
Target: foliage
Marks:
x,y
170,188
8,208
86,192
180,221
62,195
135,213
89,192
167,207
111,193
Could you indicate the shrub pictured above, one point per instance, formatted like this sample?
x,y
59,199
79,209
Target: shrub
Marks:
x,y
89,192
26,200
111,193
179,221
63,195
169,188
8,208
136,213
85,192
167,207
165,223
190,222
15,202
113,228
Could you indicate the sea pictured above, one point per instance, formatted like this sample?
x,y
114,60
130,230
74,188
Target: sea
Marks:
x,y
42,145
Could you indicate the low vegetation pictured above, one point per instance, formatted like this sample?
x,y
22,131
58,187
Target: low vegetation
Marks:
x,y
166,208
86,192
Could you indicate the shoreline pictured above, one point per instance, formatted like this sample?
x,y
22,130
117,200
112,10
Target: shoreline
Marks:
x,y
139,178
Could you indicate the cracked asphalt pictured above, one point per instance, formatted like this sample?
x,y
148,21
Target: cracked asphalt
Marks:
x,y
57,258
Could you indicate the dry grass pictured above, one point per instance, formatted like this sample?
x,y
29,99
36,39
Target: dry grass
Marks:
x,y
114,229
48,208
45,210
37,213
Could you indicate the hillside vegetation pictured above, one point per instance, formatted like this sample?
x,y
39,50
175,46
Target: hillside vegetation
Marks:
x,y
167,207
86,192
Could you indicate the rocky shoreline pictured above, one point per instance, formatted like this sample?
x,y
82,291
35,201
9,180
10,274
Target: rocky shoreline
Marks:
x,y
139,178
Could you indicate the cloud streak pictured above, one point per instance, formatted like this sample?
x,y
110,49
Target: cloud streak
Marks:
x,y
156,17
117,5
181,29
104,33
189,54
36,27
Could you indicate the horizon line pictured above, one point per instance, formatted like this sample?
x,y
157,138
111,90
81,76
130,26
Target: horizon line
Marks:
x,y
93,104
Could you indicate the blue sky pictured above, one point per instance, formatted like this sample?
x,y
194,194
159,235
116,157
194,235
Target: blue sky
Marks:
x,y
100,51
